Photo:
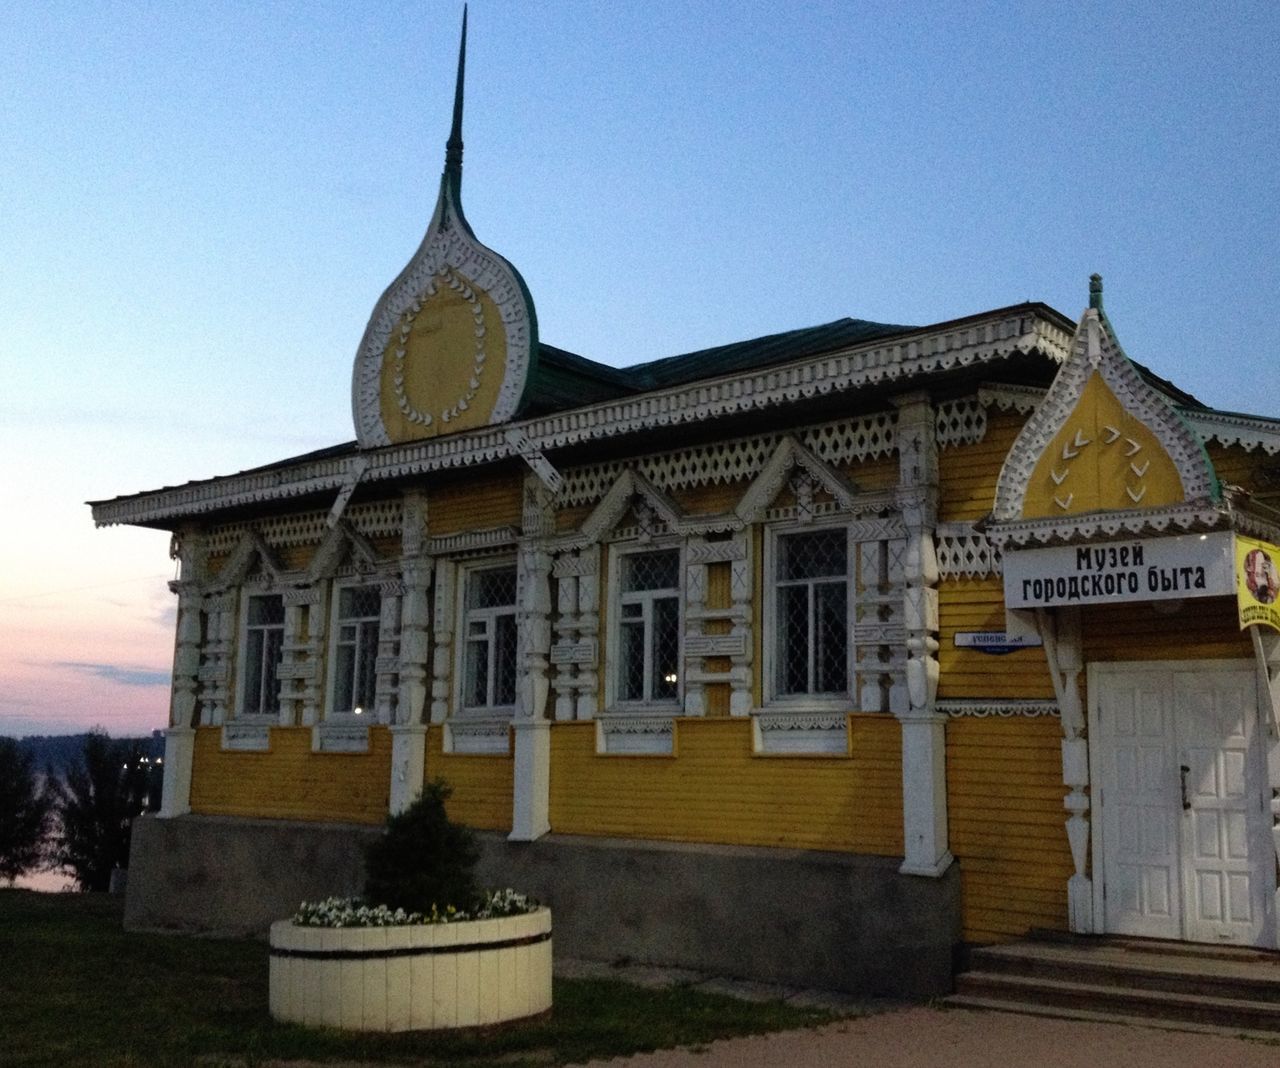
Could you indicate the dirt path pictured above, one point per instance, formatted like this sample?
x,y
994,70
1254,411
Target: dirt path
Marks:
x,y
957,1038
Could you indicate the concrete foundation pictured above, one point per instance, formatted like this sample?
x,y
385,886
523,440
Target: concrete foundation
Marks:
x,y
823,920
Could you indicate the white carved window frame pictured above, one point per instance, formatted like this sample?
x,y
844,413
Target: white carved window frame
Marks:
x,y
332,713
771,633
247,594
613,642
477,729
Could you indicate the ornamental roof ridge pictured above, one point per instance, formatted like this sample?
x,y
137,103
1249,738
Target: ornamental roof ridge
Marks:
x,y
1132,449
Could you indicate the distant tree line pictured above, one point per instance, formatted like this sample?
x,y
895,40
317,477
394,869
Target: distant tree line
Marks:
x,y
76,812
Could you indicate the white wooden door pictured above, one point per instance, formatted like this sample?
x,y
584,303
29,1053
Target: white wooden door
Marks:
x,y
1183,829
1225,840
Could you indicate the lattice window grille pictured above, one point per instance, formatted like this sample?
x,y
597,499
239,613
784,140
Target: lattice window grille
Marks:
x,y
961,422
374,519
967,555
848,441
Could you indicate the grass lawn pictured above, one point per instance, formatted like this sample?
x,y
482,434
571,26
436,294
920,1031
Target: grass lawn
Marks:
x,y
75,989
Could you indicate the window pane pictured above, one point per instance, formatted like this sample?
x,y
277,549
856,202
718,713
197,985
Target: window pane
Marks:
x,y
253,671
477,674
266,610
666,649
504,667
492,588
368,664
344,678
359,602
831,624
274,642
793,639
651,571
631,668
820,554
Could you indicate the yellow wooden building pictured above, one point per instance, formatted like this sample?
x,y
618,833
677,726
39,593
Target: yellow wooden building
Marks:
x,y
803,658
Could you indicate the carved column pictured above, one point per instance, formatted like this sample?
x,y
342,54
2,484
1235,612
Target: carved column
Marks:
x,y
1266,650
314,652
179,740
295,667
442,627
215,667
532,771
564,653
695,603
409,735
741,581
1060,632
387,665
588,686
924,769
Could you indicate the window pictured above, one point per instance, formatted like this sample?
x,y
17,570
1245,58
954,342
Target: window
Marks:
x,y
811,614
263,645
489,639
356,648
648,662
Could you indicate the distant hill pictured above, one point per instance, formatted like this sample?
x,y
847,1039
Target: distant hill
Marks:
x,y
61,751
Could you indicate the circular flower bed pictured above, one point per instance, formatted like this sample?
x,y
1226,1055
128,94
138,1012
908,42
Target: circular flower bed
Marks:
x,y
341,963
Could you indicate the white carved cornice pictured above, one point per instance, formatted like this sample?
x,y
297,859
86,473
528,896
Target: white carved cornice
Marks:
x,y
999,709
894,361
1155,521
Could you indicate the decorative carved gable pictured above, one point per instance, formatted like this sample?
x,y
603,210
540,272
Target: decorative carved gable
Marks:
x,y
453,341
634,496
342,544
1102,440
793,468
250,551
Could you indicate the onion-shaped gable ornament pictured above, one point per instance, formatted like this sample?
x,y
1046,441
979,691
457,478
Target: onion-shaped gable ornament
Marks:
x,y
452,342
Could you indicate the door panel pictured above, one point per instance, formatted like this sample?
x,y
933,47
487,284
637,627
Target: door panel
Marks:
x,y
1222,862
1139,832
1185,847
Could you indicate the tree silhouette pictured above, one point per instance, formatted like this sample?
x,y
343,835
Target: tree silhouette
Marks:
x,y
96,805
24,812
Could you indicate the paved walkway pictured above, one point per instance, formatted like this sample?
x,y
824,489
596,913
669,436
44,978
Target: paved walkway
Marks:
x,y
884,1035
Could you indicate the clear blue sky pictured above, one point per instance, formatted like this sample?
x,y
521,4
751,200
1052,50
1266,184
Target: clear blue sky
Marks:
x,y
200,203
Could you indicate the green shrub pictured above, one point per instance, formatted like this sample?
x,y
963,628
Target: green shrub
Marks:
x,y
422,858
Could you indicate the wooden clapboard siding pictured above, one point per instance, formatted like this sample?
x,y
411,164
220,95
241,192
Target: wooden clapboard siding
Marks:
x,y
289,781
1200,628
876,474
1007,825
714,789
476,504
481,784
710,499
966,674
967,474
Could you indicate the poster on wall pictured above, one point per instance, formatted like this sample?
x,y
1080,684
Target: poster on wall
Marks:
x,y
1257,583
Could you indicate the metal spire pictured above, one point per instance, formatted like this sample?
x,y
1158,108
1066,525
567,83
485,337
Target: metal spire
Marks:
x,y
453,147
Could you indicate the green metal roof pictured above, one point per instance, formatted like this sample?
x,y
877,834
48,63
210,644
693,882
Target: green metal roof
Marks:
x,y
564,380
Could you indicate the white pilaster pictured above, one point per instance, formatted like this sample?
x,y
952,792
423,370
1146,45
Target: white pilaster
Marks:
x,y
408,764
924,766
531,773
179,753
695,602
1060,631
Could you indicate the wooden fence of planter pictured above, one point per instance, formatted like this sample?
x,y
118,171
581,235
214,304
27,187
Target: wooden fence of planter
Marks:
x,y
412,977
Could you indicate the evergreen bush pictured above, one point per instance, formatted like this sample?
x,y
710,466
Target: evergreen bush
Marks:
x,y
422,859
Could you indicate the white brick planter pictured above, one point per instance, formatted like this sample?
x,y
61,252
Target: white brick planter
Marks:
x,y
420,976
